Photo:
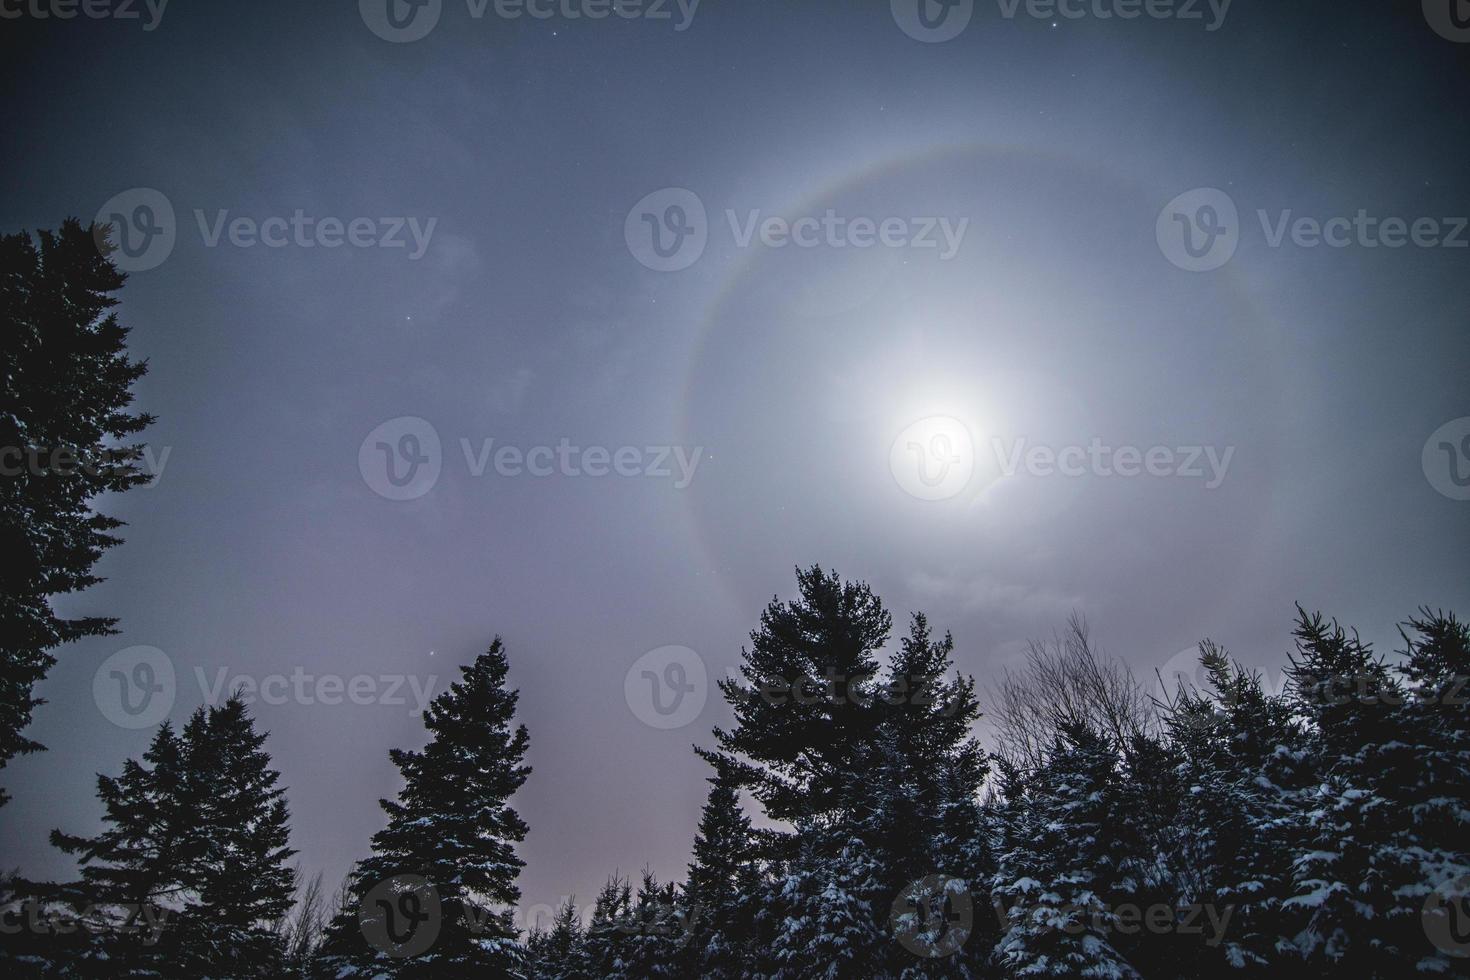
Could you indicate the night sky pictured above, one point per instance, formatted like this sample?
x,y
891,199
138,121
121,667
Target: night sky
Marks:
x,y
1078,234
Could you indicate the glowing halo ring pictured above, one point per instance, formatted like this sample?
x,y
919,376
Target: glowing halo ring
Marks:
x,y
1233,284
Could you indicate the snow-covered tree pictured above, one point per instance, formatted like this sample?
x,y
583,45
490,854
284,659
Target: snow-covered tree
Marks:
x,y
1341,882
451,835
1063,873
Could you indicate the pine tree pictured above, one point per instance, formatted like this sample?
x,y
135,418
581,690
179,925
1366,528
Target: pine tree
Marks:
x,y
724,878
826,921
1428,845
453,828
608,934
242,884
196,836
656,933
1342,888
68,382
922,816
807,695
148,855
1241,771
1061,878
558,953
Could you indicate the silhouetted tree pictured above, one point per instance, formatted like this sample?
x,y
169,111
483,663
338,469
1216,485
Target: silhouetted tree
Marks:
x,y
453,830
63,425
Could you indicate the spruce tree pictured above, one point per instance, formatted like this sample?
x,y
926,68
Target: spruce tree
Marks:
x,y
242,884
63,430
1242,772
196,835
724,878
607,943
827,923
558,953
1341,880
451,827
1428,847
1060,879
806,698
656,934
148,855
922,816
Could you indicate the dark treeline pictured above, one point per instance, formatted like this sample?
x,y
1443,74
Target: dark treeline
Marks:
x,y
1224,830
